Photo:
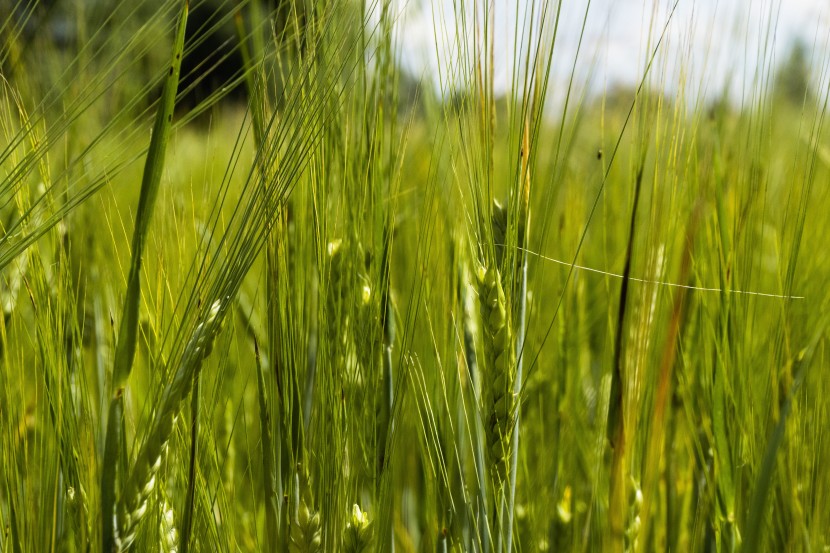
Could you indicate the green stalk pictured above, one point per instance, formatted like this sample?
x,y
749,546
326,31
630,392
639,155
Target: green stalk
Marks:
x,y
108,478
14,531
311,367
187,517
128,331
441,546
272,493
386,539
386,405
723,448
387,386
522,237
517,386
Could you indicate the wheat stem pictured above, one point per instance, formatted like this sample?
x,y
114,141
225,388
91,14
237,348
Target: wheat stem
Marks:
x,y
187,519
272,492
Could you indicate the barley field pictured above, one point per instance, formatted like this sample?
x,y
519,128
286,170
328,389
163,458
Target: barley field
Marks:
x,y
265,288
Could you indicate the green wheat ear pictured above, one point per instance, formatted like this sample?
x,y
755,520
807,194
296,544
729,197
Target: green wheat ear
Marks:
x,y
142,481
497,382
168,533
306,533
359,536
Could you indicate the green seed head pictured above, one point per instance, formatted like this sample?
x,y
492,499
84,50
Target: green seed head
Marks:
x,y
358,535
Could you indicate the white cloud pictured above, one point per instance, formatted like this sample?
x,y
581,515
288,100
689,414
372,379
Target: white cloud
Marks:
x,y
712,42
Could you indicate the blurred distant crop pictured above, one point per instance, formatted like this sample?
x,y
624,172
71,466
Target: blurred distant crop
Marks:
x,y
264,289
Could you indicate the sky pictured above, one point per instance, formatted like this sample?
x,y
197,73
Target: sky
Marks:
x,y
708,44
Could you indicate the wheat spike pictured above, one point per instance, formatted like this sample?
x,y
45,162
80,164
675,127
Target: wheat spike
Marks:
x,y
167,529
358,536
497,382
142,480
306,534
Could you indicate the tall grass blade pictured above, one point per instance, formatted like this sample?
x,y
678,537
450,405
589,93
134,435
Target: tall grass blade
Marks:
x,y
127,335
150,182
616,429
